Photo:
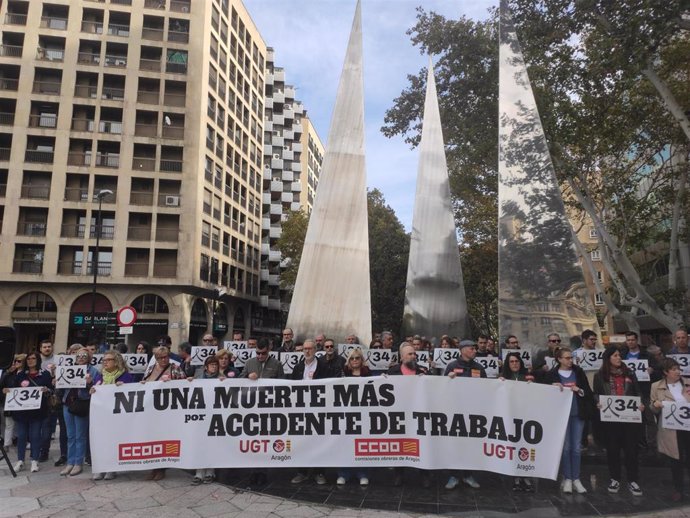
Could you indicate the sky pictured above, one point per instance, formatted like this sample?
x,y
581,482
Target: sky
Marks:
x,y
309,38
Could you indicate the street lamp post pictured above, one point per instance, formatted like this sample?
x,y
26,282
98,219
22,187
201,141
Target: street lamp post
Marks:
x,y
94,260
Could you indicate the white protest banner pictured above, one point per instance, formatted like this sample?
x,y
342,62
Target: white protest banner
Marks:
x,y
70,376
442,357
524,354
684,362
25,398
675,416
381,359
490,364
620,409
589,359
201,352
290,361
136,362
97,361
233,346
640,368
346,422
422,358
66,359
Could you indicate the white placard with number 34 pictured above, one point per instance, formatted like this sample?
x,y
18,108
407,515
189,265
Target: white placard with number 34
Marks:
x,y
620,409
70,376
19,399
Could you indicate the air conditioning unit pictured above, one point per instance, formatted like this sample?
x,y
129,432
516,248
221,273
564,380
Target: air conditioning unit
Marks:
x,y
286,148
172,201
276,156
287,107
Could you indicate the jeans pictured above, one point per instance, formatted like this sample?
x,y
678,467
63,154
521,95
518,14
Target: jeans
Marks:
x,y
9,430
570,458
346,473
77,432
683,462
47,431
28,430
63,434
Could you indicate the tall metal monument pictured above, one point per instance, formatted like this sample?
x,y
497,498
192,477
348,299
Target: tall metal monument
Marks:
x,y
332,293
435,293
541,287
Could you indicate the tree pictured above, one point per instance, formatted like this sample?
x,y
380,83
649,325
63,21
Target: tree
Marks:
x,y
620,157
389,250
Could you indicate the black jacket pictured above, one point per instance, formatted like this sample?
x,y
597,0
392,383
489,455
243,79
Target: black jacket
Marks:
x,y
465,369
321,371
585,403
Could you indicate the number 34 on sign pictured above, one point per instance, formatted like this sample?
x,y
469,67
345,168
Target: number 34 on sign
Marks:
x,y
620,409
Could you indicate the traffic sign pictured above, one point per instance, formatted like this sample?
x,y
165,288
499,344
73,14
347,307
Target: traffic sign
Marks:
x,y
126,316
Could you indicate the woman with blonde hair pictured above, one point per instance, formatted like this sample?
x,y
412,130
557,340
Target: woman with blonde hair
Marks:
x,y
7,381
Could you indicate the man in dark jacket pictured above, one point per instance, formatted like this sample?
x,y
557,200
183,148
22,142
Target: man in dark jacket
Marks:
x,y
333,361
310,367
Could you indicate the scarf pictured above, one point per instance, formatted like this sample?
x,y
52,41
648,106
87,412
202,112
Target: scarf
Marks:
x,y
109,378
617,382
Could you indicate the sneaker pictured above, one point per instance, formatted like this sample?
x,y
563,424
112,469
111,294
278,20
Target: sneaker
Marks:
x,y
299,478
61,461
517,485
321,479
577,485
635,489
341,481
43,457
452,483
614,486
470,481
97,476
209,478
110,476
567,486
66,470
87,460
34,466
364,481
196,481
19,465
527,486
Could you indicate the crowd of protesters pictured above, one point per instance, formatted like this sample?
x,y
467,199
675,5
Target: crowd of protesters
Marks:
x,y
553,364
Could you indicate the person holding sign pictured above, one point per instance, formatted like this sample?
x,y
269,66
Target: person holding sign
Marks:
x,y
675,444
114,372
615,379
210,371
7,381
514,369
28,423
569,376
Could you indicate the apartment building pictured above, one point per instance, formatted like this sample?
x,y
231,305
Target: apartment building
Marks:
x,y
134,126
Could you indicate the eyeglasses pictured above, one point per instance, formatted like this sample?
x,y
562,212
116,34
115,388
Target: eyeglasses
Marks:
x,y
207,340
108,359
17,361
287,334
356,358
328,346
555,341
82,355
566,357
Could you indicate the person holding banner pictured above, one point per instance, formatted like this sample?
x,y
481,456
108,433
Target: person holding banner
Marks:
x,y
7,381
569,376
514,369
114,372
333,361
675,444
614,378
75,410
28,423
225,365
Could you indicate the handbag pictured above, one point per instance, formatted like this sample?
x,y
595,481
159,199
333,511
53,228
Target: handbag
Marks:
x,y
79,407
54,402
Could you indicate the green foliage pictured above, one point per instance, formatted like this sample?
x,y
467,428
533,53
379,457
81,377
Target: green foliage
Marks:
x,y
290,243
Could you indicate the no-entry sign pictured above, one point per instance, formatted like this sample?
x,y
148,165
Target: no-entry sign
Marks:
x,y
126,316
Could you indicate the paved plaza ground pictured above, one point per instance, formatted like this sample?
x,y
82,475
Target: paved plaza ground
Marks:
x,y
47,494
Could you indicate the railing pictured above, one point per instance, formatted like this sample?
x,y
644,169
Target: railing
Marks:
x,y
154,4
174,99
139,233
40,157
103,267
76,194
111,198
182,37
78,159
113,127
32,229
144,163
151,33
107,231
92,26
89,92
115,29
88,58
27,266
113,93
45,54
15,19
140,198
137,269
107,160
73,230
121,2
174,166
3,190
148,97
176,132
145,130
11,51
46,120
173,67
46,87
82,124
150,64
49,22
6,119
164,270
9,84
70,267
167,234
179,7
115,61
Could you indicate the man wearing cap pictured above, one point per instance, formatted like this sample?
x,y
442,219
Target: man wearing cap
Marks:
x,y
465,367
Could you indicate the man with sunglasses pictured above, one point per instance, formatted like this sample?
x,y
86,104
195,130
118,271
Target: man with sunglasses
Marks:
x,y
262,365
333,361
539,363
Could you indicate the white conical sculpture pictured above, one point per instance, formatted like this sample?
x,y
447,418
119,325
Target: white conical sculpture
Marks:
x,y
435,293
332,293
541,286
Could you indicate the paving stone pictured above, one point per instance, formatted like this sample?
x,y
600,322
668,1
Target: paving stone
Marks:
x,y
60,500
120,489
13,506
10,482
130,504
215,509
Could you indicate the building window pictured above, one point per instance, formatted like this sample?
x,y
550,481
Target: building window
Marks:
x,y
599,299
595,255
593,233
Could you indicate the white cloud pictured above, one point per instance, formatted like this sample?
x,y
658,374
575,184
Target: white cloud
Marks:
x,y
310,38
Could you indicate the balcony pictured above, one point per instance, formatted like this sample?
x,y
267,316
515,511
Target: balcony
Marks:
x,y
39,157
179,7
167,234
77,194
179,37
172,166
144,163
137,269
172,99
27,266
164,270
44,120
10,51
46,87
115,61
73,230
88,58
150,33
9,84
113,93
6,119
148,97
139,233
15,19
92,27
104,268
107,231
150,65
141,198
173,67
154,4
50,22
107,160
112,127
44,54
145,130
78,159
173,132
70,267
85,91
115,29
35,229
